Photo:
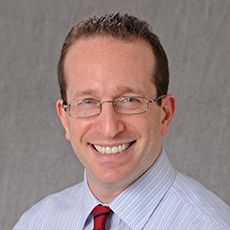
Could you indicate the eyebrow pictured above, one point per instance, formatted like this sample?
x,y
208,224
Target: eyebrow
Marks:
x,y
119,91
127,89
85,92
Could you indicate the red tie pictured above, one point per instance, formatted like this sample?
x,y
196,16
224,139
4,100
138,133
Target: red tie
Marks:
x,y
100,215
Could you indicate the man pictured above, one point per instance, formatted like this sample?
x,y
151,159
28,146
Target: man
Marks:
x,y
115,109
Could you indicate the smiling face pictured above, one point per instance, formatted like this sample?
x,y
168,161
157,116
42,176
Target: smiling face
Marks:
x,y
115,149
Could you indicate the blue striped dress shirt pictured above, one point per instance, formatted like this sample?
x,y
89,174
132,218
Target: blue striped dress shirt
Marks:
x,y
161,199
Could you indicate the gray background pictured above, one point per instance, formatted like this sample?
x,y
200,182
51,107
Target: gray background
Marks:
x,y
35,160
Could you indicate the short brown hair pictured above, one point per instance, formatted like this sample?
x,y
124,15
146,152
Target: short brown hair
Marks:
x,y
122,27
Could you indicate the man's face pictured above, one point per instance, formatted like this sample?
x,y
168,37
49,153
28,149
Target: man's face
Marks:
x,y
105,68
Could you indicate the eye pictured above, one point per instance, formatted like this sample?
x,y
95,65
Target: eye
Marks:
x,y
131,100
87,102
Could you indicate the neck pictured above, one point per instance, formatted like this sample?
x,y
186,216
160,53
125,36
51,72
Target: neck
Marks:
x,y
106,193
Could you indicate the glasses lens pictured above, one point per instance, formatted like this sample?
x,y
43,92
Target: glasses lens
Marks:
x,y
85,108
131,105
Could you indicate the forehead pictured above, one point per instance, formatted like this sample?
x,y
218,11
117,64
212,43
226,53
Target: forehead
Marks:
x,y
97,62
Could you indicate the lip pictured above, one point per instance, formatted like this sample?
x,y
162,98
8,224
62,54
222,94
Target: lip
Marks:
x,y
113,149
113,157
111,144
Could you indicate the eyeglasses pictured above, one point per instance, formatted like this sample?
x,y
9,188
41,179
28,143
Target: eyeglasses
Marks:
x,y
90,107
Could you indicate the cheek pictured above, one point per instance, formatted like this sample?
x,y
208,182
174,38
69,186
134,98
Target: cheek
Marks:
x,y
151,126
76,131
151,137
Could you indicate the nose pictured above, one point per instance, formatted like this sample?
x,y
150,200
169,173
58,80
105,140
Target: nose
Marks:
x,y
109,122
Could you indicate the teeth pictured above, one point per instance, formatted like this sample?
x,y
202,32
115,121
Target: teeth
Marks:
x,y
112,149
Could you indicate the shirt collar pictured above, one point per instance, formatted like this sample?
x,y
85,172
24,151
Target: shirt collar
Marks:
x,y
137,203
89,201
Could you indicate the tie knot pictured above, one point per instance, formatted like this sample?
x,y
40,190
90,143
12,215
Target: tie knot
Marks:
x,y
100,215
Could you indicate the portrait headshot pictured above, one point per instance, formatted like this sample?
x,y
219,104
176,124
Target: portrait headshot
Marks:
x,y
116,116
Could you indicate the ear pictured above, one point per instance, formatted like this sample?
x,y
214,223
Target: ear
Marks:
x,y
168,108
63,116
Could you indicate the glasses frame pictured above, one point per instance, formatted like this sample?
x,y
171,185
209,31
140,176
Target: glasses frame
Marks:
x,y
67,106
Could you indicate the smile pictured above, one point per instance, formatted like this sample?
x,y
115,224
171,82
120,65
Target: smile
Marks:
x,y
112,149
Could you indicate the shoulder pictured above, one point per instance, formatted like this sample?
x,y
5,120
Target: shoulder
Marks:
x,y
199,203
51,206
